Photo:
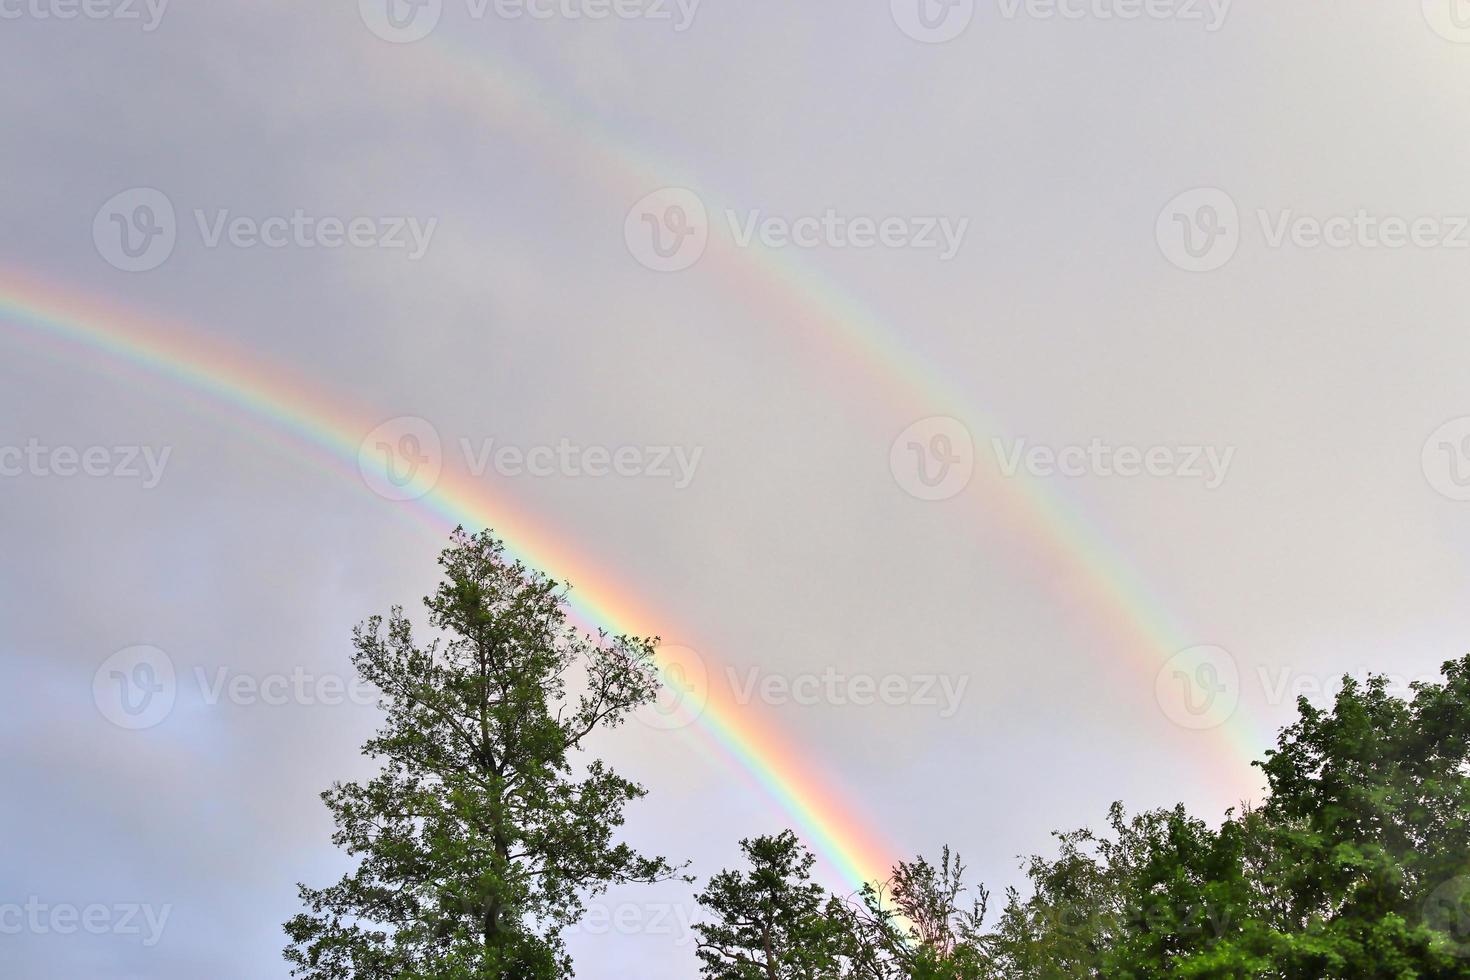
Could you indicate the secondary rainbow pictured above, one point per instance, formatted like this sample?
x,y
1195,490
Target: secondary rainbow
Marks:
x,y
330,432
1092,571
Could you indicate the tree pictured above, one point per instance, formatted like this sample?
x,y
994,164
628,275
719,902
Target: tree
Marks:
x,y
479,839
917,925
773,922
1367,830
1357,866
1075,911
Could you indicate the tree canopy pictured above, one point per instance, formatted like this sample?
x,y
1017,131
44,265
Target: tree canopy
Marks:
x,y
481,836
487,828
1356,866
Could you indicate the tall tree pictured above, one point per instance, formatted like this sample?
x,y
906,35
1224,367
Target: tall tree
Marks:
x,y
482,834
773,922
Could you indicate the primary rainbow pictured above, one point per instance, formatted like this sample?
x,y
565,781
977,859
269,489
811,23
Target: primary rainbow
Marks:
x,y
331,432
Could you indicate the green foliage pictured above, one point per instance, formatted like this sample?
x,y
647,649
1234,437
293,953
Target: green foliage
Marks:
x,y
479,839
772,922
1355,867
1366,822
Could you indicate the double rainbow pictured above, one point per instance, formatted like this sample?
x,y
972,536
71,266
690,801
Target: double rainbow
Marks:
x,y
325,430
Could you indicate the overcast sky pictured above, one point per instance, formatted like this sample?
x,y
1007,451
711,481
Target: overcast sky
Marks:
x,y
778,315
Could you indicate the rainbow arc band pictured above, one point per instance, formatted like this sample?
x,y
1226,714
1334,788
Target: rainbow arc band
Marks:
x,y
330,434
1091,572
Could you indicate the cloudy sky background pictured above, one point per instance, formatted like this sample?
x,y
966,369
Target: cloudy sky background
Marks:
x,y
1329,546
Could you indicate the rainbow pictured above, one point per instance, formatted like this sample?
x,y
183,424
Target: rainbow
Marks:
x,y
1092,572
330,433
